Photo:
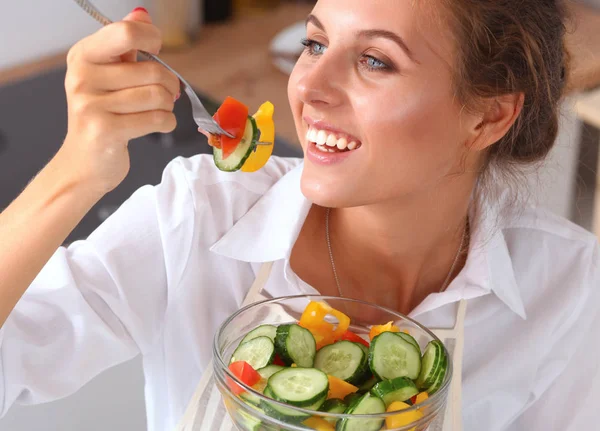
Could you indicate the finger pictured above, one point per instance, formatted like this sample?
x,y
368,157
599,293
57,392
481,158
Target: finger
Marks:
x,y
139,99
141,15
132,126
118,76
114,40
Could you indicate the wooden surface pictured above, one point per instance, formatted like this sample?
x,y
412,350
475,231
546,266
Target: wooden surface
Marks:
x,y
233,59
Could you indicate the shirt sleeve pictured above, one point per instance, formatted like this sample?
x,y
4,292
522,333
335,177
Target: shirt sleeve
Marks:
x,y
567,387
100,301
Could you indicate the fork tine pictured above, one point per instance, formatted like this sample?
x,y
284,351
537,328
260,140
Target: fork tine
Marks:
x,y
201,116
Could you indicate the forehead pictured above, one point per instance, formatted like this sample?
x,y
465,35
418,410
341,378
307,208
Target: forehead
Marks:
x,y
421,23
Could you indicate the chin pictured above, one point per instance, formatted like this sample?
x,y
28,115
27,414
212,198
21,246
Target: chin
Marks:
x,y
328,192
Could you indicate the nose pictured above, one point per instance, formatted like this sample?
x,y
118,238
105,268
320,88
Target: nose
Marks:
x,y
321,82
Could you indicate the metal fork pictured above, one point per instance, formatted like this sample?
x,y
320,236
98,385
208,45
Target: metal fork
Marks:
x,y
201,116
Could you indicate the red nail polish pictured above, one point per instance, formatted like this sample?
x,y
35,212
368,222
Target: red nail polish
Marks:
x,y
140,9
177,97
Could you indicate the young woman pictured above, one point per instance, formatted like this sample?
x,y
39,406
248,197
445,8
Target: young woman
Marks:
x,y
415,118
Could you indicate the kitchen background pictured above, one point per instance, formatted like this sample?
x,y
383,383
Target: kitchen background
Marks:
x,y
33,123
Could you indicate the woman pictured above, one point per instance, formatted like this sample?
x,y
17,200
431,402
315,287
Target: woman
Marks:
x,y
411,115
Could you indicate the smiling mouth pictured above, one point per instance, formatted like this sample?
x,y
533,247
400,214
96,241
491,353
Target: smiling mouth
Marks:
x,y
330,142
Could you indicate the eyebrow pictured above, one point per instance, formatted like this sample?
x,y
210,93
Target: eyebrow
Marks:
x,y
370,34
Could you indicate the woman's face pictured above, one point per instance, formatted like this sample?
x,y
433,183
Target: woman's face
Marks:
x,y
376,77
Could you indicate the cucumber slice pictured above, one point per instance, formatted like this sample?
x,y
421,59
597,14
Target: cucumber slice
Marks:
x,y
265,373
246,146
249,423
269,370
392,356
364,348
286,414
300,387
262,331
368,385
345,360
352,398
437,384
365,405
296,345
410,339
399,389
258,352
250,399
334,405
433,359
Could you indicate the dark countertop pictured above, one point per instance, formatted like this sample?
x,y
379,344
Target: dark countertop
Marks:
x,y
33,124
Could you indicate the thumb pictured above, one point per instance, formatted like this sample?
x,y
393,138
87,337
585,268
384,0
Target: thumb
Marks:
x,y
138,14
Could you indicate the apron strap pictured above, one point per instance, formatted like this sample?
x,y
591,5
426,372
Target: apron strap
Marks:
x,y
253,295
453,415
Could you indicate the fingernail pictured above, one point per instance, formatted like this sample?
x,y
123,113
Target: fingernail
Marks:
x,y
140,9
177,97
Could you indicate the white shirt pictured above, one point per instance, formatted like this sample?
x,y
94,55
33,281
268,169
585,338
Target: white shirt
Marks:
x,y
161,274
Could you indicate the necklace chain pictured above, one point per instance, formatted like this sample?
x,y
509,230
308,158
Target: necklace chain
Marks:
x,y
335,274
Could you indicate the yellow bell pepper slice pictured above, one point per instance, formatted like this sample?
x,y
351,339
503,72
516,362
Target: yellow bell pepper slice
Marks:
x,y
318,424
338,388
266,125
380,329
402,419
421,397
325,333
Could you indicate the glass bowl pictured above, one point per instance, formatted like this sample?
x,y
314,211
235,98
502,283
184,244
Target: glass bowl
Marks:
x,y
287,310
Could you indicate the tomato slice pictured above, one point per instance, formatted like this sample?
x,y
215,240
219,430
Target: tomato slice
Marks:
x,y
232,117
351,336
245,374
278,361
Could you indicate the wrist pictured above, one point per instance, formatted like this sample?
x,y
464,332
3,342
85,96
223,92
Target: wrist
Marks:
x,y
67,182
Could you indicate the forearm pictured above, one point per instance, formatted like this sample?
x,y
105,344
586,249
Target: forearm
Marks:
x,y
34,226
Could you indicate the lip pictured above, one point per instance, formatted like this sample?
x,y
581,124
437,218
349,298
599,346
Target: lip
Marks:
x,y
318,157
322,125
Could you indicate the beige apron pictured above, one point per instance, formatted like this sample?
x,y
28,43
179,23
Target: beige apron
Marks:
x,y
206,411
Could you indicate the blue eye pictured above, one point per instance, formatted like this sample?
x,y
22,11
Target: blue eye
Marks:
x,y
314,47
375,64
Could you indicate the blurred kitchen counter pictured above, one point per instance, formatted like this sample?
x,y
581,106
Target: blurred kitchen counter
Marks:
x,y
233,59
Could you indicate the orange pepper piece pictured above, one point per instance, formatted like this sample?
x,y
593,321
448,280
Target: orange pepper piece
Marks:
x,y
313,319
402,419
380,329
338,388
318,424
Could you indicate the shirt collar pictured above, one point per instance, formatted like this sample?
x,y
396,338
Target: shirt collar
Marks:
x,y
268,231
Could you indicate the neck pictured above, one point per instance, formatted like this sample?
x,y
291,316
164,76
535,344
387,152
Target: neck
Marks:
x,y
403,250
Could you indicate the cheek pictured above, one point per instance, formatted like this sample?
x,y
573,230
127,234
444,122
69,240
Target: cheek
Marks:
x,y
295,101
419,129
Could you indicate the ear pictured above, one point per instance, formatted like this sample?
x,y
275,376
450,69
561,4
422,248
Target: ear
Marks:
x,y
497,119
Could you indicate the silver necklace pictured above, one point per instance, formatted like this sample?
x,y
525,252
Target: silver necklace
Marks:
x,y
337,280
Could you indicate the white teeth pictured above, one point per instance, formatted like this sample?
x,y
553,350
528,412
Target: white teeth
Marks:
x,y
321,137
327,143
331,141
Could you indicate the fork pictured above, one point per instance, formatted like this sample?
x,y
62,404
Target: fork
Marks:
x,y
201,116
